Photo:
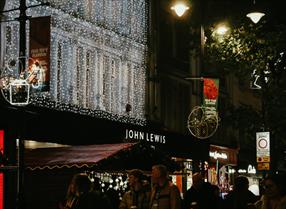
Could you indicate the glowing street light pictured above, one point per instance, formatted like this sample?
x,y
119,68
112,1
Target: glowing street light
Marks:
x,y
221,30
180,8
255,15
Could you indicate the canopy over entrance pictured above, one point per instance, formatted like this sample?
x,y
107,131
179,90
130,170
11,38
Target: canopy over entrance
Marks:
x,y
119,156
72,156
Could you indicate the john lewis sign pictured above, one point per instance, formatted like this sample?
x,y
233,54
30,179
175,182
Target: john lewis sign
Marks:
x,y
145,136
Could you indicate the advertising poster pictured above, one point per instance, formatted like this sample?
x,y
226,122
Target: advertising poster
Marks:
x,y
39,54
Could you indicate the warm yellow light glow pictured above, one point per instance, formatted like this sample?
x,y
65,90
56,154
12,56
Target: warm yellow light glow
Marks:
x,y
255,16
221,30
180,9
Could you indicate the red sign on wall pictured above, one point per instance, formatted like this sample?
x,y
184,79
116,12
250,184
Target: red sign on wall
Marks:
x,y
2,174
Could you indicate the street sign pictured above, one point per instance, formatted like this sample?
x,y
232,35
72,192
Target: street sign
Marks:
x,y
263,166
263,147
265,159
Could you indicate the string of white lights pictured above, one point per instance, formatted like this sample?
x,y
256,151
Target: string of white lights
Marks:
x,y
97,57
108,180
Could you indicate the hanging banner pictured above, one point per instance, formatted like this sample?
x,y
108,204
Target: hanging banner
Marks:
x,y
211,92
263,147
39,53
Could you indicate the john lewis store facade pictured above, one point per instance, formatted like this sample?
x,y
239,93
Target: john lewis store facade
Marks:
x,y
97,67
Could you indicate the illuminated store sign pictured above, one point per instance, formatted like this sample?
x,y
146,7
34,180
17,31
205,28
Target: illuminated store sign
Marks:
x,y
218,155
224,155
141,135
251,169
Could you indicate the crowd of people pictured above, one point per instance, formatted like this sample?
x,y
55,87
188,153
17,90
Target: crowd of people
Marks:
x,y
162,193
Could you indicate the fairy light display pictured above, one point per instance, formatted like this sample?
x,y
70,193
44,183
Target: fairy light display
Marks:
x,y
109,180
97,57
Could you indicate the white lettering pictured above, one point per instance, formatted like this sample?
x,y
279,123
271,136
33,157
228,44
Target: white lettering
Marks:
x,y
151,137
241,171
130,134
126,134
140,135
147,137
136,134
164,140
251,169
217,155
157,138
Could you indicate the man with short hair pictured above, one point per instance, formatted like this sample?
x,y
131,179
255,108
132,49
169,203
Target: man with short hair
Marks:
x,y
138,196
164,194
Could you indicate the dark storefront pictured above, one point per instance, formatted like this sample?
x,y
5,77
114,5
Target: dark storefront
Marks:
x,y
49,170
47,125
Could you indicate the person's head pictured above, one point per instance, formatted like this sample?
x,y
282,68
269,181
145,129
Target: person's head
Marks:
x,y
241,183
275,185
96,183
80,184
159,173
198,180
135,176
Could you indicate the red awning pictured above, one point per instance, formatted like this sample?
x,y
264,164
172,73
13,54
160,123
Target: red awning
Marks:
x,y
73,156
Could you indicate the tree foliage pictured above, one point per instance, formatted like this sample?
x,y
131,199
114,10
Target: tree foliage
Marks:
x,y
258,48
246,47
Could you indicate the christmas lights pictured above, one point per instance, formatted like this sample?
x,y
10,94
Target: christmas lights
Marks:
x,y
110,180
97,57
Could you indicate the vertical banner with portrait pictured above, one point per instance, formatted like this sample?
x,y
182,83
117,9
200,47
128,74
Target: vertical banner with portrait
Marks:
x,y
39,54
211,92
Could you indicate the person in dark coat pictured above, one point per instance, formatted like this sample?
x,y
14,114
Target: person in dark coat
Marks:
x,y
240,197
164,194
138,196
200,195
218,201
81,196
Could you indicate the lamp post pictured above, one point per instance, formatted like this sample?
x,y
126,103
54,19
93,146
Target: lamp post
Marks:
x,y
22,67
22,47
180,8
20,143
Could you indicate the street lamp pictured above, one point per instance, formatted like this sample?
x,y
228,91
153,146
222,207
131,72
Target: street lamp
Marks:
x,y
203,120
221,29
180,8
255,15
